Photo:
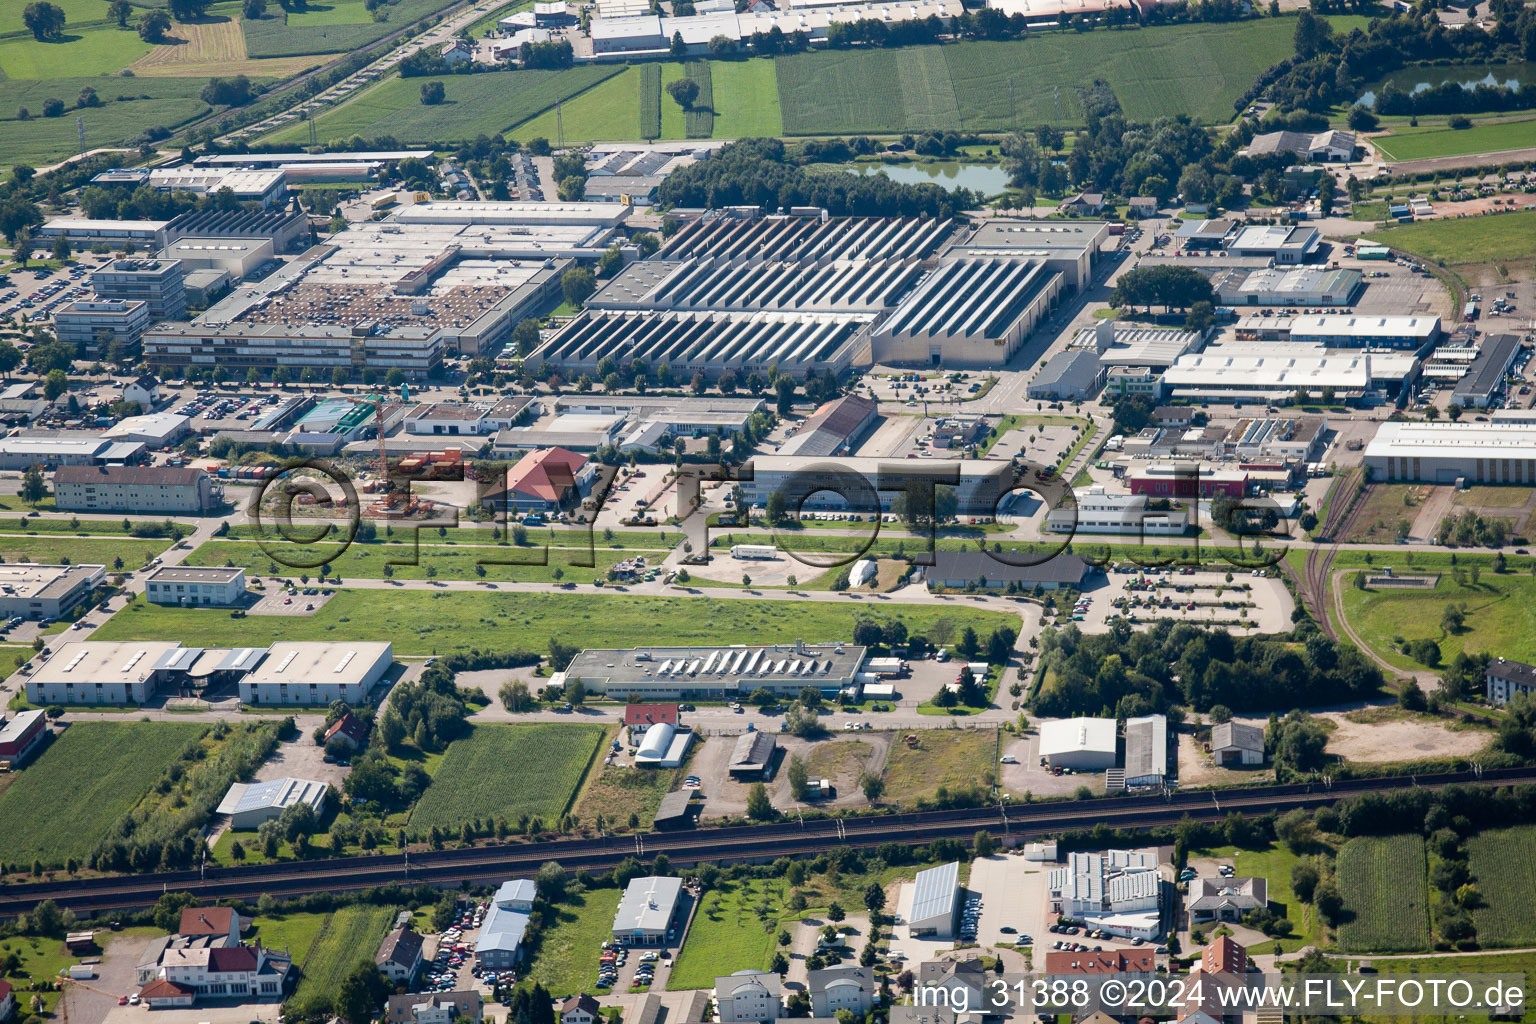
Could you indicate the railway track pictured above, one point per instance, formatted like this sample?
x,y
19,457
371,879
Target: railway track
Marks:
x,y
791,838
1312,583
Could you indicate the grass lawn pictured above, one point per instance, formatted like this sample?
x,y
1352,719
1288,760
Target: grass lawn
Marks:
x,y
76,12
84,51
734,929
953,758
1384,505
1501,615
425,623
349,936
746,99
105,767
504,771
1384,883
49,550
1497,238
332,12
334,26
1275,864
504,562
608,110
1425,143
40,958
78,527
1503,861
1523,964
294,932
1484,496
564,958
129,107
617,791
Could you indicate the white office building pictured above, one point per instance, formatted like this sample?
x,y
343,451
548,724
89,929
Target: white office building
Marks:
x,y
1101,512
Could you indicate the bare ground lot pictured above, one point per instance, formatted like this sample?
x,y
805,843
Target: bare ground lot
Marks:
x,y
1402,739
1028,777
214,46
1197,769
836,758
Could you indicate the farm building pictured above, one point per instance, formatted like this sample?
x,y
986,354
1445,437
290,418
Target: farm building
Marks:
x,y
647,911
1442,453
752,757
1082,744
500,939
703,672
935,910
249,804
1233,743
1146,750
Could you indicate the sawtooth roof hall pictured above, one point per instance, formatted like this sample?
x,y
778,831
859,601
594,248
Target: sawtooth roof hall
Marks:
x,y
810,294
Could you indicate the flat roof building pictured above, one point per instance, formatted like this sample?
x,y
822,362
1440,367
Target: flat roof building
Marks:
x,y
682,672
21,733
648,910
30,591
1082,744
1485,376
95,326
186,586
505,925
1069,247
1288,286
1278,242
317,673
981,568
1271,371
1070,376
982,488
1416,333
1442,453
87,231
159,283
968,312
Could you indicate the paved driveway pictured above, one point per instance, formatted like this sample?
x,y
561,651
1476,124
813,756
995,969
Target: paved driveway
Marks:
x,y
1000,881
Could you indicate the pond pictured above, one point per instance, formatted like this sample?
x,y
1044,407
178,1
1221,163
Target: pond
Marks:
x,y
1468,76
988,179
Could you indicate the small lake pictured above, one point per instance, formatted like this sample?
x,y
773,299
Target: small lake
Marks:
x,y
988,179
1468,76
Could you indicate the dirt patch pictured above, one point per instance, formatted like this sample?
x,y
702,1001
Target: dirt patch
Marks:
x,y
841,760
1383,508
1400,740
215,46
1196,768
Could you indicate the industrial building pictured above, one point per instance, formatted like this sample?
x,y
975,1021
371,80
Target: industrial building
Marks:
x,y
724,284
186,586
158,283
1187,480
499,942
1485,376
317,673
1100,512
1277,242
1413,333
22,451
118,234
1119,344
154,430
636,32
753,756
935,911
1082,744
993,569
1442,453
862,484
136,489
21,733
1146,750
968,312
1072,375
1118,890
834,429
286,228
439,419
248,805
647,912
1288,287
702,672
266,188
94,326
545,481
1274,372
1069,247
806,239
278,160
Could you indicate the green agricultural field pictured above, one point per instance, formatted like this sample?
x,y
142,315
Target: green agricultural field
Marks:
x,y
616,791
1443,966
330,26
101,50
746,99
1427,143
76,13
837,91
608,109
564,954
650,101
331,12
475,105
130,106
368,561
1385,888
1500,615
1503,862
505,771
421,622
349,936
1496,238
729,932
106,767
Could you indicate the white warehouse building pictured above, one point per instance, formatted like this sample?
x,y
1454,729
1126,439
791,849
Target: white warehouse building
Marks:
x,y
317,673
1082,744
1100,512
1442,453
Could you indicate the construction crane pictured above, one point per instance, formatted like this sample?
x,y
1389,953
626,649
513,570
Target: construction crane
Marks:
x,y
383,408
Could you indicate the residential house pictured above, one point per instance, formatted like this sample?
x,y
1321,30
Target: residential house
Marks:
x,y
219,972
7,1001
506,923
1233,743
434,1007
640,717
1083,202
212,922
144,389
1138,963
458,52
349,729
841,988
967,983
1505,677
1143,207
1225,899
748,996
399,955
580,1009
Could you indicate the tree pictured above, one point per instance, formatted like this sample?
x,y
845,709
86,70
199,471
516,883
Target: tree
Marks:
x,y
577,285
120,11
573,189
55,384
188,10
432,93
33,487
759,806
1362,119
678,48
874,897
251,10
776,509
515,696
1313,35
835,912
525,336
984,844
361,993
44,21
685,91
21,248
153,25
799,779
